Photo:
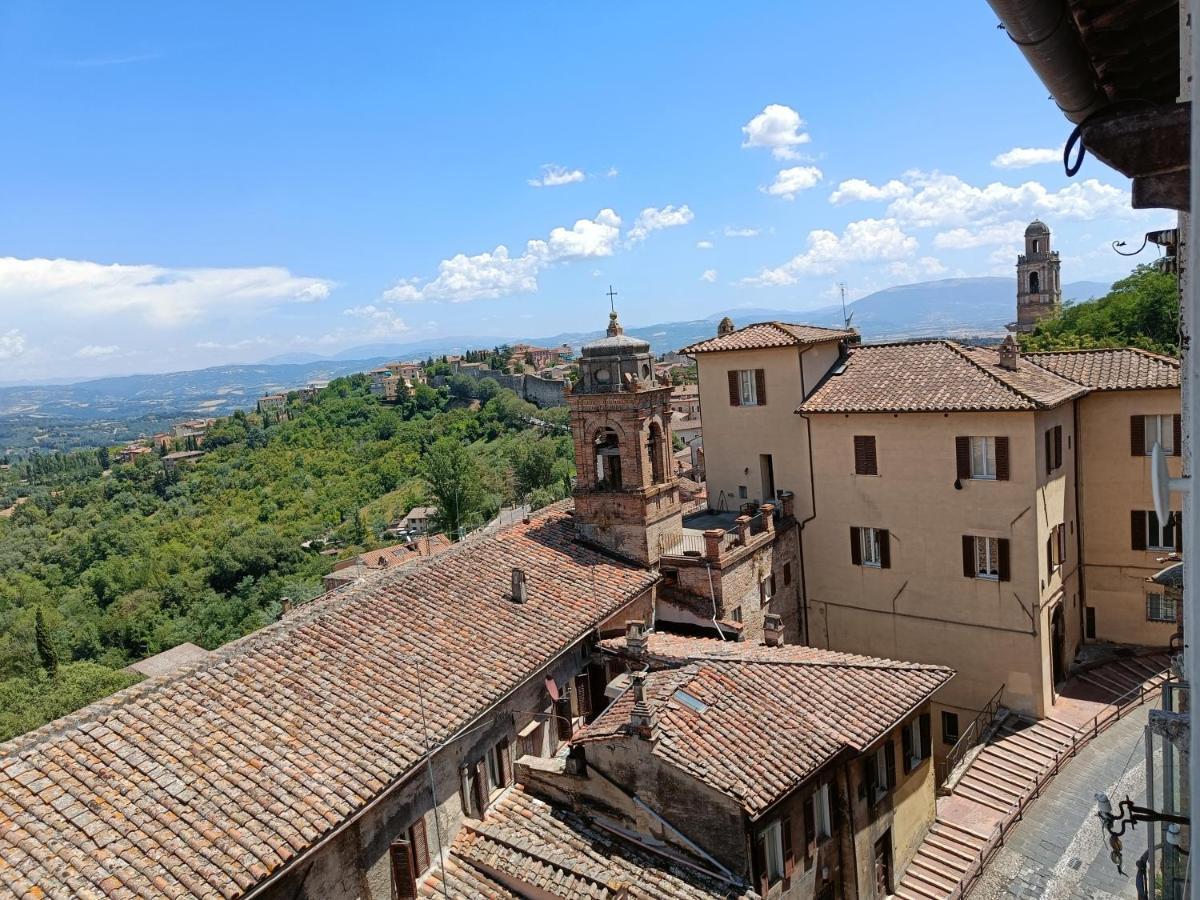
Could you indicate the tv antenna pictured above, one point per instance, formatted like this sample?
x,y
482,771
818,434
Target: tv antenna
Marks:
x,y
845,318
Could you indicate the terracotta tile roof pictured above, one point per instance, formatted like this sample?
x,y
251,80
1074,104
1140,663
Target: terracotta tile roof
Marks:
x,y
936,376
768,724
763,335
523,841
1121,369
205,782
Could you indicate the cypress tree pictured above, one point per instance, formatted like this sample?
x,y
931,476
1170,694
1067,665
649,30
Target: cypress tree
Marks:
x,y
45,649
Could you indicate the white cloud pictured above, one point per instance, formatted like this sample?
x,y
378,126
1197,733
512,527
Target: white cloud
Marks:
x,y
777,128
914,270
96,351
1024,157
159,295
704,245
498,274
984,236
948,200
612,172
709,275
383,322
652,219
243,344
731,232
554,176
789,182
859,189
868,240
12,344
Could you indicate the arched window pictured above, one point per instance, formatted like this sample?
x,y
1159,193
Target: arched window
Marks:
x,y
1033,283
654,449
608,460
1037,246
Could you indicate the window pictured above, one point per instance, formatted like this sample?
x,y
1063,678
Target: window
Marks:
x,y
865,460
983,457
1053,448
766,589
608,460
419,841
1160,608
879,773
985,557
1033,282
736,614
742,495
747,387
871,547
1089,628
949,727
1145,431
916,742
822,812
1149,535
1056,548
771,848
787,574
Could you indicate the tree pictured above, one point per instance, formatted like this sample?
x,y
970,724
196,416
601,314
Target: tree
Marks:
x,y
1141,310
455,485
532,465
47,655
102,457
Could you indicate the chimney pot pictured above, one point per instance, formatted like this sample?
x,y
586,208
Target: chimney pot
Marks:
x,y
287,604
635,637
639,716
519,593
1010,353
772,629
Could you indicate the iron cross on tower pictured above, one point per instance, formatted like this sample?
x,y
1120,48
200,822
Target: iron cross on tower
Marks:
x,y
611,302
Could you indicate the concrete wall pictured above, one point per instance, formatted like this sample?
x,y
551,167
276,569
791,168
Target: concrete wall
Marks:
x,y
923,608
1112,483
735,437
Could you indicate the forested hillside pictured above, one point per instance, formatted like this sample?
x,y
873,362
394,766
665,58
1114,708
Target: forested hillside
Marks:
x,y
1140,311
103,566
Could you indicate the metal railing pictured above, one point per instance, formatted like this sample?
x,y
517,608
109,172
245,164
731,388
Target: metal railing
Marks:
x,y
686,544
757,524
970,738
1111,714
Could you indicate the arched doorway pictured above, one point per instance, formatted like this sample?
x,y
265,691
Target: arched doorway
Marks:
x,y
1058,644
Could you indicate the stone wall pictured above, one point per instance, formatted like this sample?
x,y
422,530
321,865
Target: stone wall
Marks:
x,y
543,392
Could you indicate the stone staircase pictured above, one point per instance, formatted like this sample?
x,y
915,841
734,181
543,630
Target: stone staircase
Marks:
x,y
1006,770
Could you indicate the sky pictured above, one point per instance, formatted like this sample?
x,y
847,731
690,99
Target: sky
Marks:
x,y
184,185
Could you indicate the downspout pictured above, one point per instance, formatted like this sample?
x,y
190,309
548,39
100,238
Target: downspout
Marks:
x,y
812,492
1044,31
851,872
712,593
1079,529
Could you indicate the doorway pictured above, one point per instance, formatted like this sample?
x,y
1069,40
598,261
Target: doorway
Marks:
x,y
883,865
1058,645
767,466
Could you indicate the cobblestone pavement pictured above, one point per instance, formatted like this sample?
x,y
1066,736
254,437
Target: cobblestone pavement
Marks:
x,y
1056,851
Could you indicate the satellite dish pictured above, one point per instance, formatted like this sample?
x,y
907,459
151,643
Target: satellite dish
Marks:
x,y
1162,485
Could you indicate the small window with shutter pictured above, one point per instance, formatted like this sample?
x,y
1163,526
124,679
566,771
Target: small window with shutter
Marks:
x,y
865,460
985,557
747,387
1146,431
870,547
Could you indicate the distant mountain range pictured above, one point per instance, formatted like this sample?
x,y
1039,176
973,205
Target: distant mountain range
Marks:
x,y
956,307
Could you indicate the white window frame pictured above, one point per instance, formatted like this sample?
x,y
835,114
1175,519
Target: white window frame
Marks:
x,y
868,539
495,771
822,813
1156,534
881,773
1160,429
987,558
747,387
772,841
1167,607
915,741
983,458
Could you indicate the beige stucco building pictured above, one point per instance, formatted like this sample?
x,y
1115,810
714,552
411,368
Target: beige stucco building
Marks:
x,y
961,506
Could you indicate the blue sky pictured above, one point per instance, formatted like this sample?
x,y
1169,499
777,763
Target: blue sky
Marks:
x,y
220,182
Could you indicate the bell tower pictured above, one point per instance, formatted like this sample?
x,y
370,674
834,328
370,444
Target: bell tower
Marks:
x,y
626,494
1039,288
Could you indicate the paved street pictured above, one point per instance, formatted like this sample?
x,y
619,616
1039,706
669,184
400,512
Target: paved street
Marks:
x,y
1057,851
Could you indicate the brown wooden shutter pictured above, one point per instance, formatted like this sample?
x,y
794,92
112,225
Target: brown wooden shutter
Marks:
x,y
810,828
889,763
1178,530
419,840
962,456
1049,450
404,879
760,386
583,695
870,778
1002,458
789,852
926,736
1002,548
906,747
1050,555
466,791
865,460
481,788
1137,435
885,549
760,864
968,554
1177,427
855,546
1137,529
506,768
562,717
735,395
1058,446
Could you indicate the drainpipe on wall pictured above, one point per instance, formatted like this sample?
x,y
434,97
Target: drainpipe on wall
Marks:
x,y
812,493
1079,529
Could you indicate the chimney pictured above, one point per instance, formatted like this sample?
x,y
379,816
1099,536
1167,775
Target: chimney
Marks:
x,y
639,717
787,504
772,629
286,602
725,327
1009,353
635,637
519,594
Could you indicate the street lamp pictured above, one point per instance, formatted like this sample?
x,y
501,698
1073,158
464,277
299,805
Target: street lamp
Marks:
x,y
1129,816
